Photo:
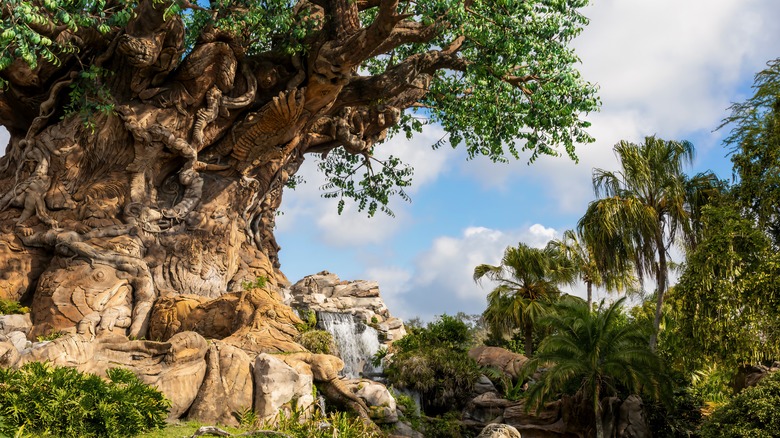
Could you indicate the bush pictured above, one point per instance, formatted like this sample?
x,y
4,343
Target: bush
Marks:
x,y
447,426
63,402
755,413
10,307
446,331
309,318
433,361
317,341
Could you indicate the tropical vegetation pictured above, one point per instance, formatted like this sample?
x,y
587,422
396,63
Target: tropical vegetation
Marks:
x,y
598,353
528,283
434,362
43,400
642,211
581,258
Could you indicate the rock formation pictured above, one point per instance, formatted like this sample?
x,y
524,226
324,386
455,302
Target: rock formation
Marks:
x,y
326,292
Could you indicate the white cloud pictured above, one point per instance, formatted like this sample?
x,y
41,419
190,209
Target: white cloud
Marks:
x,y
440,280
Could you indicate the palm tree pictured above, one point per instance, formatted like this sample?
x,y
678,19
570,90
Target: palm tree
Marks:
x,y
642,210
595,351
581,258
528,280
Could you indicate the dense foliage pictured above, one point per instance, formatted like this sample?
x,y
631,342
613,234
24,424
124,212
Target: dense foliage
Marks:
x,y
434,362
728,295
581,259
317,341
63,402
755,145
753,413
644,209
11,307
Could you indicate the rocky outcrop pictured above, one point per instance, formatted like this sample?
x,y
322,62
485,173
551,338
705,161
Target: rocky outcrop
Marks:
x,y
564,418
326,292
212,381
15,323
501,359
176,367
381,404
750,375
228,387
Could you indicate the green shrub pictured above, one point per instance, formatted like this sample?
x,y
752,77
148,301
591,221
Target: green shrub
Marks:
x,y
434,362
378,357
11,307
309,318
63,402
259,283
447,426
317,341
50,336
447,331
754,413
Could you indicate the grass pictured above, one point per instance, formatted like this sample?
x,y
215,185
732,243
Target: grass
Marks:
x,y
184,429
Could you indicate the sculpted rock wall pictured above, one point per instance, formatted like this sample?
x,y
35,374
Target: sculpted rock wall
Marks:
x,y
211,381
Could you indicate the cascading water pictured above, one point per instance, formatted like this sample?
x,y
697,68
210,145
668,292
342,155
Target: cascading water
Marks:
x,y
357,342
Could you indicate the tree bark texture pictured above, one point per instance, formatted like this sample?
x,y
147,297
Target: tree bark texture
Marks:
x,y
174,189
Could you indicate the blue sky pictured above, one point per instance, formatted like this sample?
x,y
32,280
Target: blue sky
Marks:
x,y
664,67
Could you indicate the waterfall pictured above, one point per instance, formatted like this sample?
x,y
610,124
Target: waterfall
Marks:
x,y
357,342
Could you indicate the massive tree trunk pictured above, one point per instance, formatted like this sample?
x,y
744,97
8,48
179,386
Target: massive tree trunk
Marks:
x,y
172,186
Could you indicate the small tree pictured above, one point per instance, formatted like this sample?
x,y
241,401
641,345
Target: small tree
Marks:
x,y
434,362
643,208
596,352
528,280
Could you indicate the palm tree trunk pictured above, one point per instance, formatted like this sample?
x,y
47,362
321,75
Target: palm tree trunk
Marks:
x,y
529,338
590,295
599,426
598,414
661,288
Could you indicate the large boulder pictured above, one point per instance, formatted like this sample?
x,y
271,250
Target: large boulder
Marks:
x,y
485,408
227,389
15,323
280,387
750,375
632,422
381,404
499,431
